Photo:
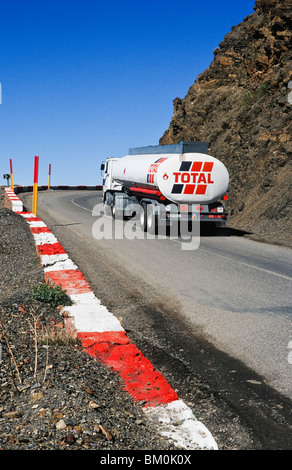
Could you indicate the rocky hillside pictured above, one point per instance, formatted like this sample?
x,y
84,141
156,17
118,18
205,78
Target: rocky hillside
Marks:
x,y
242,106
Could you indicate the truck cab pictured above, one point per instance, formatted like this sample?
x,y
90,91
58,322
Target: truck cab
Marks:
x,y
109,185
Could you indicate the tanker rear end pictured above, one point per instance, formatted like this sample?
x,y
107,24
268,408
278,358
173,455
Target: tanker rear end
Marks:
x,y
167,185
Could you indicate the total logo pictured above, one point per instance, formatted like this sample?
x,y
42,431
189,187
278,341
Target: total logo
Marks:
x,y
192,178
153,169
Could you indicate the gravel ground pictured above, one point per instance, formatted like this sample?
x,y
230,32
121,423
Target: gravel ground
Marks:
x,y
53,395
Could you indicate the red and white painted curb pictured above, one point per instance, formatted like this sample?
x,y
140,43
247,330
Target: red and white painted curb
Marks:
x,y
103,337
12,201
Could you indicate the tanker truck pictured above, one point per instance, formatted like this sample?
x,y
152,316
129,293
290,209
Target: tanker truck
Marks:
x,y
168,184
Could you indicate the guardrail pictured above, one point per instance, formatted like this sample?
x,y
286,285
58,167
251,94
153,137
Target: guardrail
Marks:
x,y
24,189
12,201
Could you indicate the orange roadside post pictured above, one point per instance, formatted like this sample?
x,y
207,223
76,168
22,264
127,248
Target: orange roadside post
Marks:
x,y
49,179
35,185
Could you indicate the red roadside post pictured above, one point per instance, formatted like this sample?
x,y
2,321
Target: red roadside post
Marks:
x,y
35,185
11,175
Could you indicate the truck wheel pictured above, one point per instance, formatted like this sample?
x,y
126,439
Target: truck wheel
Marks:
x,y
113,210
143,217
151,220
115,213
107,210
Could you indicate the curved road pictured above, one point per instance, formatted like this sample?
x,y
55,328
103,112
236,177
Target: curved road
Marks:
x,y
220,315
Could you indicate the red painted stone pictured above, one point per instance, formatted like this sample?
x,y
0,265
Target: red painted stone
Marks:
x,y
36,230
71,280
141,379
51,249
33,219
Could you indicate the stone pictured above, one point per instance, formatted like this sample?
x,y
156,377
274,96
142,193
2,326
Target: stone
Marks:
x,y
12,414
37,396
106,432
60,425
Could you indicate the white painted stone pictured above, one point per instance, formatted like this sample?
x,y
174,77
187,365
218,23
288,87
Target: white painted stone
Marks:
x,y
177,422
44,238
17,206
36,223
93,318
85,298
28,215
57,265
50,260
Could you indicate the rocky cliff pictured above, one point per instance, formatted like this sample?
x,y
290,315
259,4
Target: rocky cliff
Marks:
x,y
242,106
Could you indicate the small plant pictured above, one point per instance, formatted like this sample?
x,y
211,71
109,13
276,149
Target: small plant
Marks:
x,y
44,333
251,97
53,295
263,89
247,99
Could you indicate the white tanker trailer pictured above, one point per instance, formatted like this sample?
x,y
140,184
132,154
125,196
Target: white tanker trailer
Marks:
x,y
168,183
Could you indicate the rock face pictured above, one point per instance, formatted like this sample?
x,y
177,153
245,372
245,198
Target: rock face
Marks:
x,y
241,105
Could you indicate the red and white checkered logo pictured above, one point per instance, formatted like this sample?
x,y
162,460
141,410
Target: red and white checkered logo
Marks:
x,y
192,178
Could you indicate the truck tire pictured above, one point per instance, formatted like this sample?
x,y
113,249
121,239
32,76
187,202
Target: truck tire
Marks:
x,y
151,220
116,214
113,209
143,217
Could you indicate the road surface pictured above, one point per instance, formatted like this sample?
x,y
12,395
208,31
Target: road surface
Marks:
x,y
219,314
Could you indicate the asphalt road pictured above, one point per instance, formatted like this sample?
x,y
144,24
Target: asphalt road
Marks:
x,y
217,318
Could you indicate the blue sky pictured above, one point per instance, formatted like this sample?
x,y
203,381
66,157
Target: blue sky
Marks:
x,y
85,79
